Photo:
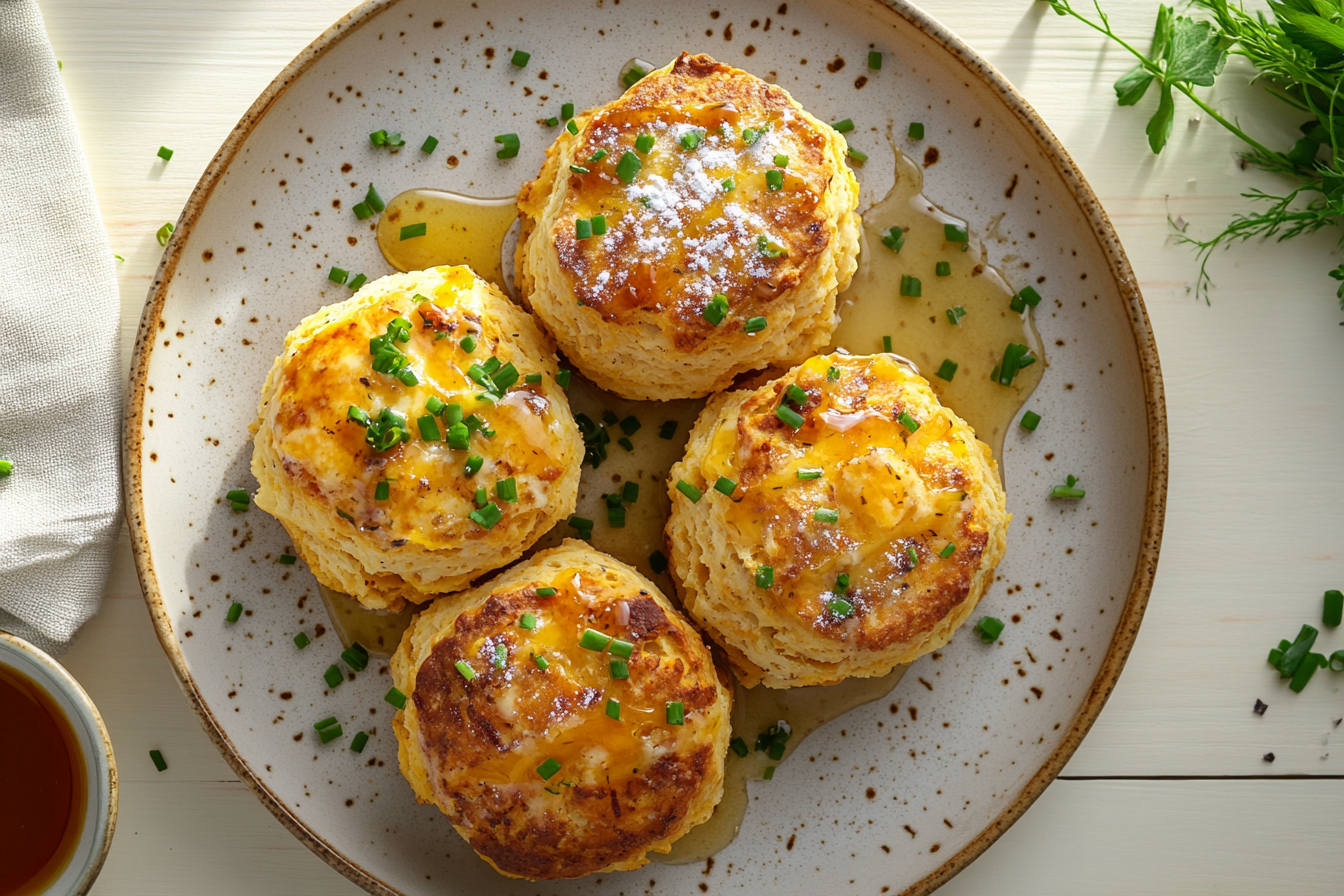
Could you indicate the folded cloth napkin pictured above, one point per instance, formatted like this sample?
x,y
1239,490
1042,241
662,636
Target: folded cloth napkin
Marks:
x,y
60,379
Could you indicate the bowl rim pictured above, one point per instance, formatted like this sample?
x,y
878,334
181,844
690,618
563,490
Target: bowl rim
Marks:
x,y
55,677
1122,273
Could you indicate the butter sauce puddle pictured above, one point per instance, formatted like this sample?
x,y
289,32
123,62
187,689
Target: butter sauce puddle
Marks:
x,y
479,232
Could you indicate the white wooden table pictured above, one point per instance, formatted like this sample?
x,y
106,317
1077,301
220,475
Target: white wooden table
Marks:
x,y
1169,793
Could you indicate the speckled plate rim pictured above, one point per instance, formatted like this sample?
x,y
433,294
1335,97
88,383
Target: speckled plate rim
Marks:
x,y
1123,275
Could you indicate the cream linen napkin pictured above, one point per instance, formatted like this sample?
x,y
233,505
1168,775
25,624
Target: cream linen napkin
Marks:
x,y
60,383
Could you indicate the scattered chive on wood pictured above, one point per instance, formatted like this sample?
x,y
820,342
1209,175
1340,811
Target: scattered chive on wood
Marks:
x,y
159,762
163,233
1334,608
164,153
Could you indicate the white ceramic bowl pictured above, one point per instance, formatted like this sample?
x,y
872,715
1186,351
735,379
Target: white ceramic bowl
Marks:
x,y
100,766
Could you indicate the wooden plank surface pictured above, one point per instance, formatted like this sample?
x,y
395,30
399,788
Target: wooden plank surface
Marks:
x,y
1255,392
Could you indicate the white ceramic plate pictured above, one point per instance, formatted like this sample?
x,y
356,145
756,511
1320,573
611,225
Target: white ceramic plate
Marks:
x,y
893,797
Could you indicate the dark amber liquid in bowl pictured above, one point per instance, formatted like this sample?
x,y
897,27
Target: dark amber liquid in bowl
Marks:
x,y
43,792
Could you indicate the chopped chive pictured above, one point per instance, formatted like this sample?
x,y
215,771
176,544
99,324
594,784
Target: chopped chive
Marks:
x,y
338,275
234,613
435,405
725,486
840,607
728,185
826,515
301,640
781,160
510,146
911,287
357,281
288,559
676,713
943,269
411,231
429,428
797,394
765,576
644,143
630,425
616,515
360,740
955,233
562,379
237,495
739,746
623,649
582,525
947,550
597,156
894,239
754,325
583,228
507,490
333,676
874,60
1026,296
1336,661
717,309
626,444
833,373
465,670
809,473
599,225
159,762
592,639
501,656
374,200
459,439
1334,608
163,233
658,562
325,723
789,416
164,153
1015,357
857,156
947,369
407,377
630,492
548,769
567,111
552,122
520,58
1305,670
545,592
691,139
955,314
916,131
628,167
844,126
356,657
431,143
532,379
1030,420
487,516
913,556
886,344
578,169
619,669
542,663
769,773
774,180
751,135
1068,490
396,698
989,629
330,733
667,430
481,497
614,709
688,490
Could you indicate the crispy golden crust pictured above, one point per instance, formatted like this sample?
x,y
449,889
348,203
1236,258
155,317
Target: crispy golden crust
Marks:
x,y
319,476
902,476
474,746
695,221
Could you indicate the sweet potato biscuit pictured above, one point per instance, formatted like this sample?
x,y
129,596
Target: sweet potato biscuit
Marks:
x,y
700,181
864,523
563,715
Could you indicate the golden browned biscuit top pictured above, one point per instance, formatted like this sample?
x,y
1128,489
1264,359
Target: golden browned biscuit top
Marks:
x,y
378,447
855,499
565,732
708,182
